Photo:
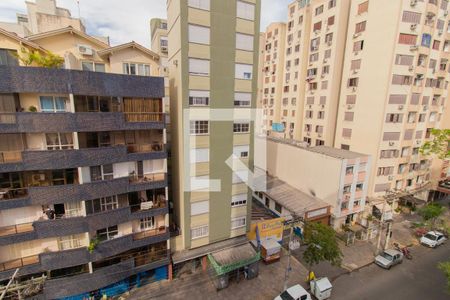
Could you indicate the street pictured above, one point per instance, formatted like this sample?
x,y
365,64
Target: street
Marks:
x,y
418,278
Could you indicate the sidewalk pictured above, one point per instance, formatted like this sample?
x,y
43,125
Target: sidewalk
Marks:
x,y
267,285
358,255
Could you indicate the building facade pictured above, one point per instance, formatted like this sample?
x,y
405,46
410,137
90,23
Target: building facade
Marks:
x,y
213,63
83,166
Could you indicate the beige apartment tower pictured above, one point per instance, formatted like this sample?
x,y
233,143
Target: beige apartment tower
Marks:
x,y
213,63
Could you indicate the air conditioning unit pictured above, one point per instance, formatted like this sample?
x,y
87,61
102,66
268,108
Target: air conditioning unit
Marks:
x,y
356,52
413,3
329,43
400,107
440,32
164,49
317,31
355,71
390,177
425,107
323,106
323,75
356,35
413,27
310,106
315,48
349,106
85,50
287,80
308,133
325,60
414,48
319,135
391,143
411,68
418,142
354,89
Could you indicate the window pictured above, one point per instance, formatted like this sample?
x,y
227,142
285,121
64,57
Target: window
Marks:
x,y
198,98
201,4
436,45
198,67
411,17
52,104
244,42
385,171
199,232
93,66
363,7
198,34
356,203
348,116
136,69
347,189
239,200
315,44
358,46
331,4
199,208
353,82
345,147
241,151
199,155
147,223
360,27
319,10
245,10
330,21
278,207
59,141
241,127
359,187
329,38
394,118
349,170
317,26
243,71
238,222
69,242
407,39
199,127
109,203
404,60
355,65
346,132
104,172
314,57
426,40
8,57
107,233
242,99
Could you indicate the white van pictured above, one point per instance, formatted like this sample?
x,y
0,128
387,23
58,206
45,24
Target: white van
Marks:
x,y
296,292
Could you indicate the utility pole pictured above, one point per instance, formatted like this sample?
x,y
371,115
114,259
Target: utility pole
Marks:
x,y
8,285
288,268
388,235
381,227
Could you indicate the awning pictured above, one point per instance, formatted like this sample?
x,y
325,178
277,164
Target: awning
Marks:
x,y
387,208
412,199
233,258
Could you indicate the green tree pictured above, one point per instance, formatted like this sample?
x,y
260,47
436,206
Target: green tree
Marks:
x,y
445,267
322,245
431,213
45,60
439,145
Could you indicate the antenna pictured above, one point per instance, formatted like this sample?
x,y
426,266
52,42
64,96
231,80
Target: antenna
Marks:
x,y
79,12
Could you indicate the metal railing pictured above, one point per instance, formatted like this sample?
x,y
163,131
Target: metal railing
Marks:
x,y
156,202
148,233
16,229
20,262
10,156
143,117
8,118
10,193
137,148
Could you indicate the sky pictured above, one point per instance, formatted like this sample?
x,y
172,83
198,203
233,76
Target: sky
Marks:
x,y
126,20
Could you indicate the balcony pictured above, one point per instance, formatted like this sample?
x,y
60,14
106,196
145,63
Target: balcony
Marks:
x,y
19,263
16,229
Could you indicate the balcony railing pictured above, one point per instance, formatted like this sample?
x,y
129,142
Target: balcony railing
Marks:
x,y
148,233
143,117
10,193
18,263
7,118
16,229
157,202
153,147
147,177
10,156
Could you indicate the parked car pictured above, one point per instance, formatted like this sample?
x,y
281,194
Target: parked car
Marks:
x,y
433,239
296,292
389,258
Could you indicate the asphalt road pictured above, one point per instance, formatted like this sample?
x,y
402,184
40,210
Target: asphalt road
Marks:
x,y
418,278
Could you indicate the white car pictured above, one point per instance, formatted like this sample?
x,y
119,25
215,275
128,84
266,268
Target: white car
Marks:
x,y
433,239
296,292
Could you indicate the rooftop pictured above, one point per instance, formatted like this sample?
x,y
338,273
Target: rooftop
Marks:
x,y
336,152
289,197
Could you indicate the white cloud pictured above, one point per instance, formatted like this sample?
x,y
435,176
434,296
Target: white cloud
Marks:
x,y
126,20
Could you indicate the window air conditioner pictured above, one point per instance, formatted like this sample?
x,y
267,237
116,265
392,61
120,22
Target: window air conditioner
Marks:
x,y
413,3
413,27
400,107
391,143
85,50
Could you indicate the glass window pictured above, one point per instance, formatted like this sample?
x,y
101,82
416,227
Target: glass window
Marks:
x,y
241,127
109,203
59,141
201,4
52,104
199,34
238,222
8,57
147,223
107,233
199,232
199,127
245,10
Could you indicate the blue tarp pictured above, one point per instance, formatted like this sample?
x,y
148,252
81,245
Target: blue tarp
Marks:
x,y
278,127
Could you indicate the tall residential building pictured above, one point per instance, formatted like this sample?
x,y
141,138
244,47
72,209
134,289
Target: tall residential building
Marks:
x,y
390,102
213,61
353,98
42,16
160,45
83,171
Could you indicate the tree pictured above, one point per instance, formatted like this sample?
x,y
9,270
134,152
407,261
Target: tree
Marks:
x,y
46,59
431,212
439,145
322,245
445,267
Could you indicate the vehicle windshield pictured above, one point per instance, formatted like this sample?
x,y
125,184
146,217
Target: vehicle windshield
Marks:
x,y
286,296
430,236
387,256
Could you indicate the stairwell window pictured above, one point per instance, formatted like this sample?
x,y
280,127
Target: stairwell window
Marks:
x,y
200,4
244,42
245,11
199,67
242,99
239,200
238,222
241,127
198,34
243,71
107,233
198,98
199,127
199,232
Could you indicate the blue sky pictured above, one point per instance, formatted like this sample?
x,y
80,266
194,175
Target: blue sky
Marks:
x,y
129,20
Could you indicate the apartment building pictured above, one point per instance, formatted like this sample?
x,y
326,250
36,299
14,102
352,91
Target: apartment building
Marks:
x,y
390,102
213,63
83,166
337,177
306,106
159,44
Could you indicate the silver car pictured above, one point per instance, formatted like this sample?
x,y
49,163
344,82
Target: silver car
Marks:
x,y
389,258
